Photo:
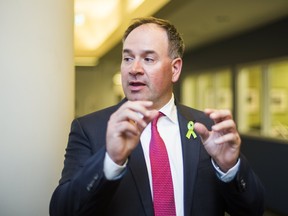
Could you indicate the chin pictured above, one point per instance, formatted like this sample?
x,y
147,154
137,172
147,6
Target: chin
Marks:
x,y
135,97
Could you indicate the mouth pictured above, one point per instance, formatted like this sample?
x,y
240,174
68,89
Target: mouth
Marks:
x,y
136,86
136,83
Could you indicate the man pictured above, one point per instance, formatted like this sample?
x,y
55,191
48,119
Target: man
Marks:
x,y
108,168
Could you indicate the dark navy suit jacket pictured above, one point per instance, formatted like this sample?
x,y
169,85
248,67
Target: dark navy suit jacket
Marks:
x,y
84,190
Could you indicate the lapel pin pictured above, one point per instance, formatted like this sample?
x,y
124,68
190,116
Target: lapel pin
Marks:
x,y
191,131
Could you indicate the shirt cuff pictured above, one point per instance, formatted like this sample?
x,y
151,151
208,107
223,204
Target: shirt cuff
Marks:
x,y
113,171
229,175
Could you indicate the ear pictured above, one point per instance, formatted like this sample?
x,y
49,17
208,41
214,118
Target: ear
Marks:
x,y
176,69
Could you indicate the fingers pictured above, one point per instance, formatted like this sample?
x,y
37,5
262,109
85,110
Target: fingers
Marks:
x,y
230,138
218,115
224,126
202,131
134,115
125,126
223,141
223,120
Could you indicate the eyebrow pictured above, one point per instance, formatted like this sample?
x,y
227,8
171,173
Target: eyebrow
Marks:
x,y
128,51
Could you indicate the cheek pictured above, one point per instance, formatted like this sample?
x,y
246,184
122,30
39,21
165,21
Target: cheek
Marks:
x,y
166,75
122,68
123,71
161,80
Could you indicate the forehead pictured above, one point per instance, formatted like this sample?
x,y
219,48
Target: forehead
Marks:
x,y
146,36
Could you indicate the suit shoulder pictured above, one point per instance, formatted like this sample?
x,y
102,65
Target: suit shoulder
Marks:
x,y
195,115
184,107
191,111
99,114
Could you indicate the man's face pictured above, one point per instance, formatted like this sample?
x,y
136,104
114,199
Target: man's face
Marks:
x,y
148,73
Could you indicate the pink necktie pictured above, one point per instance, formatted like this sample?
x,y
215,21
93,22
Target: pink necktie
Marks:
x,y
163,193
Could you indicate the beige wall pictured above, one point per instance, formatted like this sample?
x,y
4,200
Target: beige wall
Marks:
x,y
36,100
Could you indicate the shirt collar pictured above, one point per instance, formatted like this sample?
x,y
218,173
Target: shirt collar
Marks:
x,y
170,110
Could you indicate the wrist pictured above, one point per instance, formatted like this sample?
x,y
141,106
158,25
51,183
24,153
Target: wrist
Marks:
x,y
225,166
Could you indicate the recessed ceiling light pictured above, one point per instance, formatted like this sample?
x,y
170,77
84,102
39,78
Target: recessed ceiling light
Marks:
x,y
79,19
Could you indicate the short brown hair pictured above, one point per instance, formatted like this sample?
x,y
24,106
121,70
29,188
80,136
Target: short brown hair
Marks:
x,y
176,43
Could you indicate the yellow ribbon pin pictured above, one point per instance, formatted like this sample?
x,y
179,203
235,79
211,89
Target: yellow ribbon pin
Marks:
x,y
191,131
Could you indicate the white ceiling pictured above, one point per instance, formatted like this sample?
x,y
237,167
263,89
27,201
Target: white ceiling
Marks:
x,y
100,24
206,21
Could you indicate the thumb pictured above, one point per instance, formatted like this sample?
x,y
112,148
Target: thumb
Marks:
x,y
202,131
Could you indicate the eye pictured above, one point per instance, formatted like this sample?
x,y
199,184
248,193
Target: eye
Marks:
x,y
149,59
127,59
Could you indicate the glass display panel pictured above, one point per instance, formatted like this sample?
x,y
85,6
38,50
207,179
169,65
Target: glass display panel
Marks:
x,y
249,99
278,74
208,90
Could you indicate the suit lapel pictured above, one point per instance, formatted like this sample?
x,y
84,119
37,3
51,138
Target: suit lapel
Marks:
x,y
190,149
139,172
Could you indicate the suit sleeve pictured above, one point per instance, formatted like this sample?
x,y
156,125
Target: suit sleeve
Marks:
x,y
244,195
83,187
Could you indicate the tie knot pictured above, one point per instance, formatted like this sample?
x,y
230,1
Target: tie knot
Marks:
x,y
155,120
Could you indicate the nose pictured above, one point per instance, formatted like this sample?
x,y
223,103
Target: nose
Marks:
x,y
136,68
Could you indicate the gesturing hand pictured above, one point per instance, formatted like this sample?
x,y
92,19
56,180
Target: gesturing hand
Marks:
x,y
223,141
125,127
